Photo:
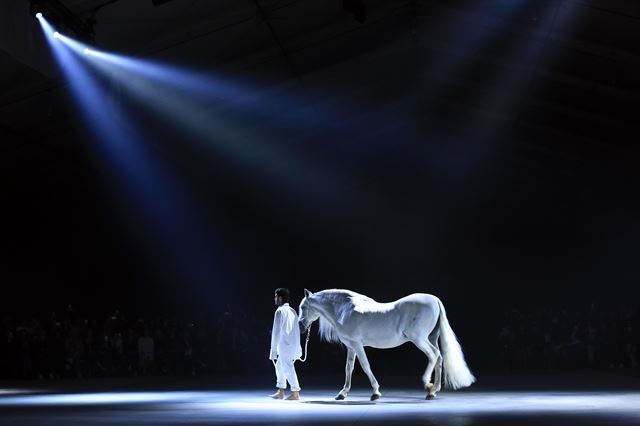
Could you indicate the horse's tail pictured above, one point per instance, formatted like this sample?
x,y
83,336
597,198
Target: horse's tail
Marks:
x,y
456,371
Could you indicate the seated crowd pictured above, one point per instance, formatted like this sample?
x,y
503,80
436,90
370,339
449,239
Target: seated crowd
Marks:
x,y
70,346
552,339
73,346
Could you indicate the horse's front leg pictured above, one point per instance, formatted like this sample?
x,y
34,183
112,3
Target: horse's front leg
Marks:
x,y
364,363
348,371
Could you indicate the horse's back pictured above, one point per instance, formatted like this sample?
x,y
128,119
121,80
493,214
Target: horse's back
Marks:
x,y
410,317
383,325
419,298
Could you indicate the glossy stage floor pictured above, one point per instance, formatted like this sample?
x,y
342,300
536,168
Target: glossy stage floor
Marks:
x,y
152,403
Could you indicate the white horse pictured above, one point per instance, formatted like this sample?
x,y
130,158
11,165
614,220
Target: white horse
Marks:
x,y
358,321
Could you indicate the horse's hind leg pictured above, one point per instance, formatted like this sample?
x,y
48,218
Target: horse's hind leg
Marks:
x,y
433,357
364,363
348,371
437,381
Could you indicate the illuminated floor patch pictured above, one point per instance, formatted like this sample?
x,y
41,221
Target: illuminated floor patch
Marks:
x,y
9,391
254,407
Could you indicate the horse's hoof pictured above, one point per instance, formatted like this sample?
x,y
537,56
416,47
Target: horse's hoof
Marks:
x,y
430,397
375,397
340,397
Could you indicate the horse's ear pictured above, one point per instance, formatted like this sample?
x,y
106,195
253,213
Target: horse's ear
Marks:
x,y
307,293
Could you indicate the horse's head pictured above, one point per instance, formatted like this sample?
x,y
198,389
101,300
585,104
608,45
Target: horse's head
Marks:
x,y
308,314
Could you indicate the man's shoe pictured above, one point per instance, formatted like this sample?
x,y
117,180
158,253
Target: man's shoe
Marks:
x,y
295,395
278,395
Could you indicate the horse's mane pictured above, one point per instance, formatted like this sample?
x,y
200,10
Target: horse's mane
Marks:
x,y
344,302
327,332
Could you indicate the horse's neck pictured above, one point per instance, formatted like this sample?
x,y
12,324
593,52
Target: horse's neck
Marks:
x,y
331,305
330,308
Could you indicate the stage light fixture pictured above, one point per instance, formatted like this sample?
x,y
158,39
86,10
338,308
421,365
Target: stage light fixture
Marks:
x,y
61,17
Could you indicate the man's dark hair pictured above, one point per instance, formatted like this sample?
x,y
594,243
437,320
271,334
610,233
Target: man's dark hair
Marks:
x,y
284,293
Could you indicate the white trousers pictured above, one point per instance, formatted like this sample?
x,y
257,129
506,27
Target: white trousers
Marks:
x,y
286,372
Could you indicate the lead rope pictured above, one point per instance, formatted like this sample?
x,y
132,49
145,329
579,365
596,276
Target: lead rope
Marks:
x,y
306,342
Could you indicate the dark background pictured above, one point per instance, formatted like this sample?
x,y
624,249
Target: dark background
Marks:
x,y
482,151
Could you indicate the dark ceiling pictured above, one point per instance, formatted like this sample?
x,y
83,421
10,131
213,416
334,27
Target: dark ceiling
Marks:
x,y
580,62
551,86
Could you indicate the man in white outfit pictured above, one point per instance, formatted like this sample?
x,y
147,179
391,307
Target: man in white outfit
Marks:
x,y
285,346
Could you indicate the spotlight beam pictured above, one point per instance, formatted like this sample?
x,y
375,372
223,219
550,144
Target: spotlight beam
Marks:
x,y
250,151
161,210
233,97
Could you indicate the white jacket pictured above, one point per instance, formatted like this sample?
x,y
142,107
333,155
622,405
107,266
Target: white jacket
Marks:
x,y
285,335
